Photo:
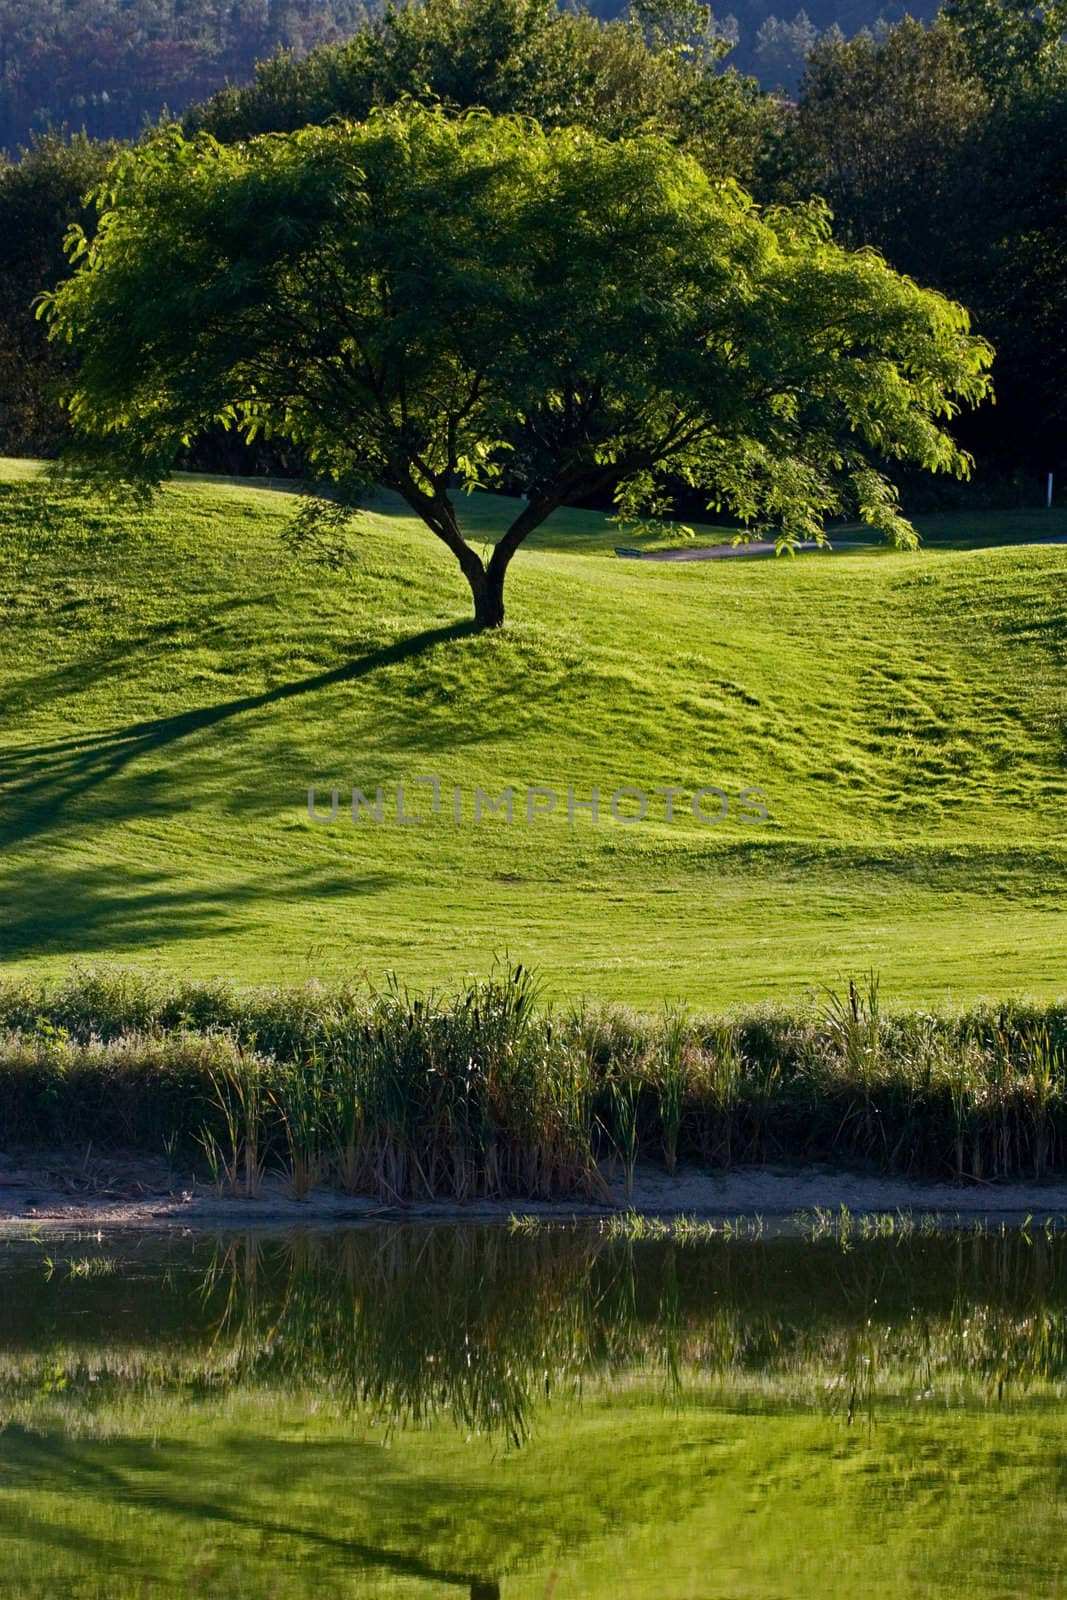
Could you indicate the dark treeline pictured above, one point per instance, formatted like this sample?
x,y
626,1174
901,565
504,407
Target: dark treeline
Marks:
x,y
937,143
941,146
770,39
107,65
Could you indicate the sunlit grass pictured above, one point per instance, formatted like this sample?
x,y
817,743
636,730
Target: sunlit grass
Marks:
x,y
171,682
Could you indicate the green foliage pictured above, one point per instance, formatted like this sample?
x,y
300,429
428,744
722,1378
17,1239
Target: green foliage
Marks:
x,y
939,146
527,57
1012,45
883,130
40,197
418,299
1012,263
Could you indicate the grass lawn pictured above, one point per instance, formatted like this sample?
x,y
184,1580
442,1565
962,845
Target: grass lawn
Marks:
x,y
173,680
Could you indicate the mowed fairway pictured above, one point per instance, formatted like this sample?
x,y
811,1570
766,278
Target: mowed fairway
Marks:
x,y
173,680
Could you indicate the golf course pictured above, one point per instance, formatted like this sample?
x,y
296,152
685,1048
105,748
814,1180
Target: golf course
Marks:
x,y
533,800
175,679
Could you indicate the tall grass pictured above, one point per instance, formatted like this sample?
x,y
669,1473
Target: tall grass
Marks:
x,y
234,1151
672,1078
488,1091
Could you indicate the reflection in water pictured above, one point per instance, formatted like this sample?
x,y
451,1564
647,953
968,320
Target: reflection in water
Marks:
x,y
457,1409
484,1327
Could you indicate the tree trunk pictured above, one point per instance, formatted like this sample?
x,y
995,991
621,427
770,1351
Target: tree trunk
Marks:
x,y
486,579
488,592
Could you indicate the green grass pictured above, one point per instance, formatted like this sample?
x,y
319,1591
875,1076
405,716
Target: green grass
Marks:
x,y
172,680
275,1494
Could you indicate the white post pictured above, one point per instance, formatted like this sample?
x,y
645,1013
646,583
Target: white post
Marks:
x,y
1048,502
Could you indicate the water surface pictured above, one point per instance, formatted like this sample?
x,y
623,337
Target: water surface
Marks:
x,y
433,1411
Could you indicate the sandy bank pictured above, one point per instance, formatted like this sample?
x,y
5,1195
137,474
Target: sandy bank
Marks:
x,y
42,1193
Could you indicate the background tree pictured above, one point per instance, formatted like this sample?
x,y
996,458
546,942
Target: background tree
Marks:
x,y
425,302
39,198
1011,263
109,65
106,66
661,67
941,147
882,130
782,48
1011,44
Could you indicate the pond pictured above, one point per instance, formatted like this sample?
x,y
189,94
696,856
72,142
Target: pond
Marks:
x,y
417,1411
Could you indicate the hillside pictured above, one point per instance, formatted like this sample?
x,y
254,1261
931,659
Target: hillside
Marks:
x,y
173,680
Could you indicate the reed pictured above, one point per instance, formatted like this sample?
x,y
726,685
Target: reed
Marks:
x,y
488,1091
623,1123
235,1153
302,1103
672,1077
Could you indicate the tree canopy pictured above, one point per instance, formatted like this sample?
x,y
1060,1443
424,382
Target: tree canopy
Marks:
x,y
429,302
882,130
941,146
658,67
39,197
1012,44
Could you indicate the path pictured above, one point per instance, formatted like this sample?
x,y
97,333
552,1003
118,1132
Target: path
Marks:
x,y
766,547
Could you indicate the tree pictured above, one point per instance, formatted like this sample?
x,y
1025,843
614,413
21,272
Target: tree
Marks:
x,y
39,196
883,130
783,46
1012,263
941,146
660,68
427,302
1012,44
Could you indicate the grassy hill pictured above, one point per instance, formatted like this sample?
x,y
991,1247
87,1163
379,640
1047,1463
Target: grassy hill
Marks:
x,y
172,681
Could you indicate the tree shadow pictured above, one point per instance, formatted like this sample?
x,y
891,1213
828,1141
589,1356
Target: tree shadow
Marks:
x,y
43,781
87,910
131,1473
75,677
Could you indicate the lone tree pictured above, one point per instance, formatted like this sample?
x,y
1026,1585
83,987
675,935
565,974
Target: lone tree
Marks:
x,y
425,303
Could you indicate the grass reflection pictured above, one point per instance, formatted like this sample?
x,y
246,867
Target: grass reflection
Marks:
x,y
398,1413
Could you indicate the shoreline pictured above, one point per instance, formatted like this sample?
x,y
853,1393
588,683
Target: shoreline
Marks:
x,y
138,1194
